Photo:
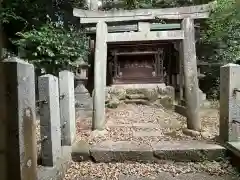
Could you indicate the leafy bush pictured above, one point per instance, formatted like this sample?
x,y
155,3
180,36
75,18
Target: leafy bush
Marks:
x,y
223,31
53,47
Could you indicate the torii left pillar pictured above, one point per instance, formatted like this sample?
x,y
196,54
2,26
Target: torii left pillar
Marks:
x,y
100,72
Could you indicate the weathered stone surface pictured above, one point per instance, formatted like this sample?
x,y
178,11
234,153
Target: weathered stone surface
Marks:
x,y
162,176
180,110
118,92
234,147
58,170
80,151
187,151
114,125
100,63
113,102
18,149
67,107
190,132
167,102
136,96
83,113
203,176
137,101
49,119
147,133
82,96
190,75
109,151
229,103
144,125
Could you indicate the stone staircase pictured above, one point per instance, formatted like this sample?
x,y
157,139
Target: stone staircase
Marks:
x,y
145,139
125,151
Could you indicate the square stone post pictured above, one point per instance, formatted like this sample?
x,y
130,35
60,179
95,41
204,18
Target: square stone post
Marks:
x,y
49,119
229,103
18,149
190,75
100,72
67,107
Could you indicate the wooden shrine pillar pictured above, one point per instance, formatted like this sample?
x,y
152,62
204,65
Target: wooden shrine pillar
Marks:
x,y
100,72
181,69
159,64
115,64
190,75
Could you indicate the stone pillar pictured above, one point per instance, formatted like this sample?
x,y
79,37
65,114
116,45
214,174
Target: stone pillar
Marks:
x,y
18,149
100,72
190,75
67,107
49,119
229,103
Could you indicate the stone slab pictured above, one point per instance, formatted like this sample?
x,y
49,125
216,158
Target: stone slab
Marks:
x,y
138,86
204,176
120,151
234,147
115,125
147,133
83,113
188,151
80,151
160,176
180,151
145,125
180,110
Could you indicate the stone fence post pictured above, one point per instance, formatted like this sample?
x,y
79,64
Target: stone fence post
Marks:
x,y
230,103
49,119
18,150
67,107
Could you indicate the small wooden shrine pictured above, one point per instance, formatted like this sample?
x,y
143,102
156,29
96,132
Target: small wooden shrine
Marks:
x,y
131,46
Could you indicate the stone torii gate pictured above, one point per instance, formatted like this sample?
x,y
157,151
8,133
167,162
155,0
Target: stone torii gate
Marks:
x,y
103,20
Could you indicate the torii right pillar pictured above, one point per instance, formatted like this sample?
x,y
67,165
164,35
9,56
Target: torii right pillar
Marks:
x,y
190,75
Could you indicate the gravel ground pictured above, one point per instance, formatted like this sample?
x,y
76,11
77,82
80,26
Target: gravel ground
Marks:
x,y
120,123
169,125
113,171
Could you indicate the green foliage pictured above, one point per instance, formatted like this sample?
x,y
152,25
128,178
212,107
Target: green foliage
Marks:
x,y
53,47
136,4
223,31
44,32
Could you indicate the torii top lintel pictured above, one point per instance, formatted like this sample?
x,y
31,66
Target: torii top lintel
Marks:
x,y
194,12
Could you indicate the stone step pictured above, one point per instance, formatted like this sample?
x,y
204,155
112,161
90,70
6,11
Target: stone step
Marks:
x,y
146,133
136,96
120,151
137,101
187,176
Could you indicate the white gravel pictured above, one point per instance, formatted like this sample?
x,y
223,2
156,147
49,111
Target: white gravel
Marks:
x,y
112,171
131,114
121,121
